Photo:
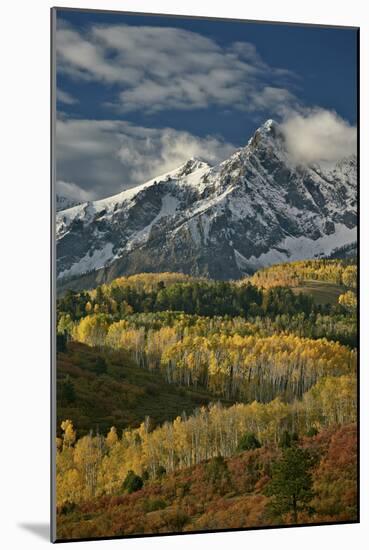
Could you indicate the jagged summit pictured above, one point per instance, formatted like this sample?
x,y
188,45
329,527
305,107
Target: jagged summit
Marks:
x,y
190,166
269,125
267,133
253,209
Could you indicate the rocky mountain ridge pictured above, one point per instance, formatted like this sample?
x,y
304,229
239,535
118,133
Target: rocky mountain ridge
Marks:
x,y
252,210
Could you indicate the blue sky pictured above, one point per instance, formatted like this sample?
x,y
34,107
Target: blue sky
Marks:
x,y
136,94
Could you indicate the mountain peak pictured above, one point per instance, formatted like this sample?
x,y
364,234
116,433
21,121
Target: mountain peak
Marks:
x,y
269,128
269,133
269,124
253,209
191,165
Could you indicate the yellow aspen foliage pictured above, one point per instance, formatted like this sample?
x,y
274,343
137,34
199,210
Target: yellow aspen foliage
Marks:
x,y
348,300
132,340
99,466
293,274
252,367
68,486
113,469
69,435
349,276
88,453
92,330
115,332
65,324
112,437
332,400
150,281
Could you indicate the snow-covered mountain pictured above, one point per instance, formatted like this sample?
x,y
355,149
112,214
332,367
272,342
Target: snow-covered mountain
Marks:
x,y
252,210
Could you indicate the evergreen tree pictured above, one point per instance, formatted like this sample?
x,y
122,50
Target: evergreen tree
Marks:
x,y
217,473
68,394
248,442
61,342
285,440
291,484
312,431
132,482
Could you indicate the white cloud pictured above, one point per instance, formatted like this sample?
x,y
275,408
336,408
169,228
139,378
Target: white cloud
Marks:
x,y
157,68
148,153
103,157
73,192
319,136
277,100
65,97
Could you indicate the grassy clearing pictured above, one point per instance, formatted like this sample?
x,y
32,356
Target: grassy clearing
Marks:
x,y
321,291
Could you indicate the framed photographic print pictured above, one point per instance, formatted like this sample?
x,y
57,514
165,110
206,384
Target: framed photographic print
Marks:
x,y
204,274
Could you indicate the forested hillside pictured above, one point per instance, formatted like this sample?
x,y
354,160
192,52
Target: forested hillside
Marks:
x,y
232,492
99,389
183,399
340,272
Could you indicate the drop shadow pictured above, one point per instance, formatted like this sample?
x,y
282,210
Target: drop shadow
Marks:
x,y
42,530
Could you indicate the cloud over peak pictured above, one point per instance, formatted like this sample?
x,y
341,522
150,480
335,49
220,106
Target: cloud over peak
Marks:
x,y
319,136
103,157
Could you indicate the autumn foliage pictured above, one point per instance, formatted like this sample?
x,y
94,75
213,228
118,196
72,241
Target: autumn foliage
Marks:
x,y
191,500
188,405
293,274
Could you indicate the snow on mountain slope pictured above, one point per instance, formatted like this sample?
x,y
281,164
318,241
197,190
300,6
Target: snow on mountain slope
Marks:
x,y
254,209
87,211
